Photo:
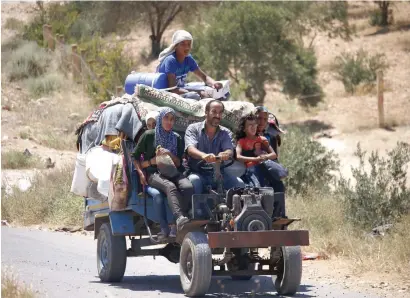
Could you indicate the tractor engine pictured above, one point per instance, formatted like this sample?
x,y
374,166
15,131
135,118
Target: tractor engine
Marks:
x,y
250,208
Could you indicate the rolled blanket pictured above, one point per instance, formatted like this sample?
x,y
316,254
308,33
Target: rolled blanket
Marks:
x,y
234,110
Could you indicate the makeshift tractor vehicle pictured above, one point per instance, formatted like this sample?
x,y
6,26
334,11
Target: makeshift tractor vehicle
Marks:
x,y
232,224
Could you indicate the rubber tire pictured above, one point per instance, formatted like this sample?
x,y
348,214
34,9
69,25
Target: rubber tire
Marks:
x,y
197,244
116,255
289,282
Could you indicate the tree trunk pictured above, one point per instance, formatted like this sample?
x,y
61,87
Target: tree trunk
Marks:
x,y
384,9
155,46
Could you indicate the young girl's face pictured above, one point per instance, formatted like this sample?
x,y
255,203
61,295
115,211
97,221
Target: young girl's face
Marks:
x,y
250,127
183,48
262,120
168,121
151,123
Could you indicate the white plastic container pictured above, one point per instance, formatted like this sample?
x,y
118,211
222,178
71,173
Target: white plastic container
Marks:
x,y
93,157
107,167
80,180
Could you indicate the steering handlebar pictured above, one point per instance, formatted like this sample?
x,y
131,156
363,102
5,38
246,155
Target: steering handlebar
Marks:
x,y
202,164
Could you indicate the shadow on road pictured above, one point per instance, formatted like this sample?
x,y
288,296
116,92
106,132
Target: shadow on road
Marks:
x,y
258,286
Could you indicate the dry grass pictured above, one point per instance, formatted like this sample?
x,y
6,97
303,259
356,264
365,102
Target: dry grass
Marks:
x,y
360,10
12,288
50,105
18,160
49,201
51,121
45,85
58,140
331,235
14,24
405,43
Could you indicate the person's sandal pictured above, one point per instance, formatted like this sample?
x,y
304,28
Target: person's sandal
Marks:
x,y
181,221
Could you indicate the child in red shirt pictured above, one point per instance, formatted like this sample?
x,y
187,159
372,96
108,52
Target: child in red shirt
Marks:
x,y
255,150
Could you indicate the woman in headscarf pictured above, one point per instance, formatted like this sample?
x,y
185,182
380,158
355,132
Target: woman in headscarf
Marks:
x,y
176,62
178,189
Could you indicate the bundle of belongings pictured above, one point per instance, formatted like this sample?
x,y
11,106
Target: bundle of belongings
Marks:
x,y
121,121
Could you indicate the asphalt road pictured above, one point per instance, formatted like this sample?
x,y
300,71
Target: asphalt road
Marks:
x,y
64,265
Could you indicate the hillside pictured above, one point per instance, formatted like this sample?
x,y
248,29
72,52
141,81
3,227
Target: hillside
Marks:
x,y
45,127
349,118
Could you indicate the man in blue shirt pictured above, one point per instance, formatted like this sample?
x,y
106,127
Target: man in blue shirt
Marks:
x,y
176,62
206,140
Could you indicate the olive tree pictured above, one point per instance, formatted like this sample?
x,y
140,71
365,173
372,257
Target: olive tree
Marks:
x,y
255,43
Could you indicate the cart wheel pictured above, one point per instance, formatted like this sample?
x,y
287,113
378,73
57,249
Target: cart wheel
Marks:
x,y
195,264
111,255
290,267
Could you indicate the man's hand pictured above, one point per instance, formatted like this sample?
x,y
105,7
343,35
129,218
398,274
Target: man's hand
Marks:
x,y
224,155
209,157
217,85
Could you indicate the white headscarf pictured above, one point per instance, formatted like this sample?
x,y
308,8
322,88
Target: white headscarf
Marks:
x,y
179,36
152,114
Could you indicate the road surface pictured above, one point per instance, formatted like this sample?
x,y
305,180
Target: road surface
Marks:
x,y
64,265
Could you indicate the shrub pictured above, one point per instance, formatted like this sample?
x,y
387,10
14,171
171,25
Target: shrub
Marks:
x,y
7,49
14,24
48,201
18,160
381,196
29,60
12,288
322,214
45,84
110,66
360,67
375,18
310,164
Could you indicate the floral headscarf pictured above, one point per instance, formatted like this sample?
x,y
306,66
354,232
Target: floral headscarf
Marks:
x,y
166,139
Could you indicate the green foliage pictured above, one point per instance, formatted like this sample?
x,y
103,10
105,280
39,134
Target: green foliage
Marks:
x,y
375,18
383,16
85,23
357,68
252,53
299,76
110,65
381,195
309,163
45,84
307,18
80,21
29,60
60,17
